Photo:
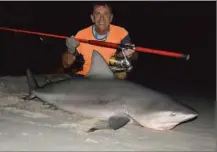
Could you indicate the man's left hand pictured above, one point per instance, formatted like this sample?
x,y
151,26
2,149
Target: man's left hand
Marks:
x,y
129,52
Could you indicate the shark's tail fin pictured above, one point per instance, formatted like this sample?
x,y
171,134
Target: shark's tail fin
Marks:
x,y
32,85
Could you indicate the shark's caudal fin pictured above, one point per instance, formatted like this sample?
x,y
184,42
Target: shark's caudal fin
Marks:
x,y
99,68
32,85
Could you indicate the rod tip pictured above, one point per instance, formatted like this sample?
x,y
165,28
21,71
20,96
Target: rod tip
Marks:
x,y
187,57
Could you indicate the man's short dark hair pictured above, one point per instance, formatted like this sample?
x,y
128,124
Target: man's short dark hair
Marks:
x,y
101,3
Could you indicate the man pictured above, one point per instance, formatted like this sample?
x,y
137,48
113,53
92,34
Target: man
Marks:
x,y
101,30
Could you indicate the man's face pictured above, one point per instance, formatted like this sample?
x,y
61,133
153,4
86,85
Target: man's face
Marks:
x,y
102,17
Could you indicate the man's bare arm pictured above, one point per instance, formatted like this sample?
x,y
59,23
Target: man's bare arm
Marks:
x,y
68,59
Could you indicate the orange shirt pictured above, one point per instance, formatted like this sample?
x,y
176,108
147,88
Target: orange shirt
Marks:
x,y
116,35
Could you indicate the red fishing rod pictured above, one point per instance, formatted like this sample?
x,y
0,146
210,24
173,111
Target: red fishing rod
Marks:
x,y
104,44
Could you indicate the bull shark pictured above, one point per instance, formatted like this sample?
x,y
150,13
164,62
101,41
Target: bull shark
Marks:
x,y
115,102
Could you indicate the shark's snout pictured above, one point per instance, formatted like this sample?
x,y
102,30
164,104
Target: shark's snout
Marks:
x,y
190,116
166,120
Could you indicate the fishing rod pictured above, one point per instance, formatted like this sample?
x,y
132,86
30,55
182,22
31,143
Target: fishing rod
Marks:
x,y
104,44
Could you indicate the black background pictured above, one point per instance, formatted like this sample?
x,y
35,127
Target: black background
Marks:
x,y
185,27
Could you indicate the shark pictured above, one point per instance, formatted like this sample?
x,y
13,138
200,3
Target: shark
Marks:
x,y
115,102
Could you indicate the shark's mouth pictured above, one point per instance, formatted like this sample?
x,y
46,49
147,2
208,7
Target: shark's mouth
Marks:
x,y
163,126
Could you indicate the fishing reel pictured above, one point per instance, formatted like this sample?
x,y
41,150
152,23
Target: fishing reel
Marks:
x,y
120,64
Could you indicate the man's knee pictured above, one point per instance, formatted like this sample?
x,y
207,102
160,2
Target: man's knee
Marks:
x,y
121,75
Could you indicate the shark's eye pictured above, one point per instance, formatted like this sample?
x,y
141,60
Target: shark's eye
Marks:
x,y
173,114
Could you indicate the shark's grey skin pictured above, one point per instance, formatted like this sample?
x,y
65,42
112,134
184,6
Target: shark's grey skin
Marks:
x,y
116,102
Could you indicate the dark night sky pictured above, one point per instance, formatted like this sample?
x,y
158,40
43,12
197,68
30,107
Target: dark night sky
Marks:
x,y
185,27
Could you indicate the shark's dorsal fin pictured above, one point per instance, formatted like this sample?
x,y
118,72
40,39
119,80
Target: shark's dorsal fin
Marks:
x,y
99,68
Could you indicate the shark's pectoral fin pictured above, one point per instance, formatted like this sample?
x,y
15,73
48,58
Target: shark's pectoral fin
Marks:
x,y
114,122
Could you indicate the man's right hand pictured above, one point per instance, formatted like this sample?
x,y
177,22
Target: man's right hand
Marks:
x,y
72,44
